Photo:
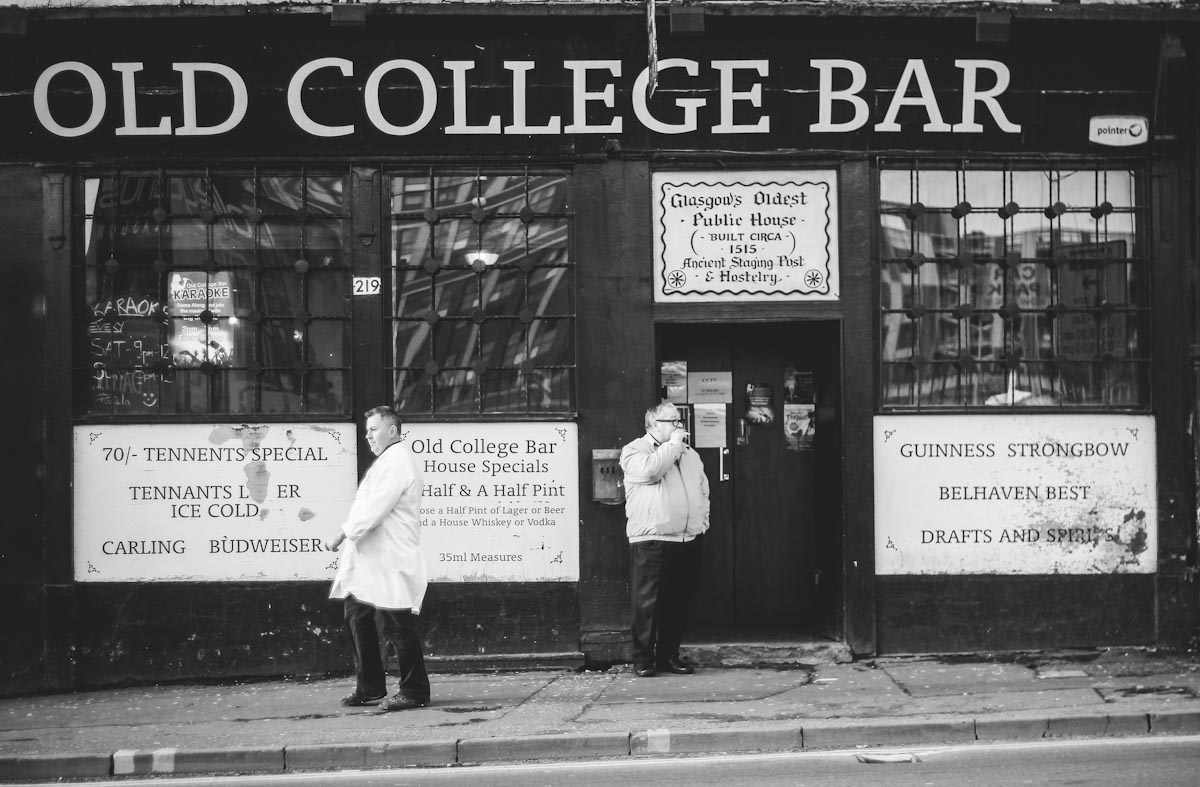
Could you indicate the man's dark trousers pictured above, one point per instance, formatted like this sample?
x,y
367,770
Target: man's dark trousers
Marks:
x,y
367,625
664,584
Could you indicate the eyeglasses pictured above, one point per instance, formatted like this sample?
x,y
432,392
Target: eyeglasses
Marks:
x,y
676,421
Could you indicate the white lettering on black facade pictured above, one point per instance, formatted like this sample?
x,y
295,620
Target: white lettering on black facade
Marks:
x,y
591,107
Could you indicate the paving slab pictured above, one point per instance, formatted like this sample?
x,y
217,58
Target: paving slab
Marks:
x,y
926,679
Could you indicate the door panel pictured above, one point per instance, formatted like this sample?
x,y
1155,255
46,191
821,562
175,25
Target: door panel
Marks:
x,y
772,554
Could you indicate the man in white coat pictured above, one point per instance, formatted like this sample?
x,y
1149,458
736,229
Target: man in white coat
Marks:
x,y
381,571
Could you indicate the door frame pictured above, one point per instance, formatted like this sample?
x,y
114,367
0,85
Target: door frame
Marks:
x,y
856,313
827,544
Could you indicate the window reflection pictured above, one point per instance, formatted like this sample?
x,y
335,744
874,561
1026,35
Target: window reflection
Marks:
x,y
1002,287
480,260
269,248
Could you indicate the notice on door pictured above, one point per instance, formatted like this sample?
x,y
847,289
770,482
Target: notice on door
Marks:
x,y
501,500
1015,494
210,502
711,426
745,236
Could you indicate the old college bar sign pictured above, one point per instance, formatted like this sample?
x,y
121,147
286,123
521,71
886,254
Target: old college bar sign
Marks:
x,y
187,102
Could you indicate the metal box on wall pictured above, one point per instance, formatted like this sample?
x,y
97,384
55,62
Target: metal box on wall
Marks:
x,y
608,482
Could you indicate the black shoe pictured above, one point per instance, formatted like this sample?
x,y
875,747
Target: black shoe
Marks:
x,y
645,672
400,701
357,700
676,666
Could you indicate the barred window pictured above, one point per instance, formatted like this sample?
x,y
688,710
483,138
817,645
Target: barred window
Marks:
x,y
1003,285
482,306
212,292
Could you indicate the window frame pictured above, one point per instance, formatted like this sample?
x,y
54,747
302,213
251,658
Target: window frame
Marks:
x,y
432,210
93,270
1137,307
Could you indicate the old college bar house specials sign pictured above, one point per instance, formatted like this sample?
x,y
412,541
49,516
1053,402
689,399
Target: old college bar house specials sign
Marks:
x,y
501,500
1015,494
745,236
210,501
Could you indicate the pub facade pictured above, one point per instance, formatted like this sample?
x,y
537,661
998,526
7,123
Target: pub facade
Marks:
x,y
919,278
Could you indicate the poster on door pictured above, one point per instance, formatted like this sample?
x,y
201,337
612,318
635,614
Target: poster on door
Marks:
x,y
674,376
799,409
1015,494
750,236
501,500
711,426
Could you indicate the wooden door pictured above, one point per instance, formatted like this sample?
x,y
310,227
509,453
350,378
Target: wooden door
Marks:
x,y
771,557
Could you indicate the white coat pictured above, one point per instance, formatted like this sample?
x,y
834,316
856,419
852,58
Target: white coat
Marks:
x,y
381,562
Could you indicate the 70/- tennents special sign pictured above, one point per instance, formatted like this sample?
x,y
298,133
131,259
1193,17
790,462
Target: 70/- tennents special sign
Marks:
x,y
745,236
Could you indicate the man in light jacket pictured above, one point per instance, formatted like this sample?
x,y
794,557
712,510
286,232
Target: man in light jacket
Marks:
x,y
381,571
666,505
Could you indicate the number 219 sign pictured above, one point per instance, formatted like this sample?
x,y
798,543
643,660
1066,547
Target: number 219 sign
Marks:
x,y
367,285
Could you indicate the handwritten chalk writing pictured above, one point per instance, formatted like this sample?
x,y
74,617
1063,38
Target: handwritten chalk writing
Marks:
x,y
128,306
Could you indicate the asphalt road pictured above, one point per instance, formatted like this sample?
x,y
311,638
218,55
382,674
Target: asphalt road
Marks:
x,y
1130,762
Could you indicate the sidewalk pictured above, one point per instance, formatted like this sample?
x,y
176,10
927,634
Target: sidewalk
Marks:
x,y
489,717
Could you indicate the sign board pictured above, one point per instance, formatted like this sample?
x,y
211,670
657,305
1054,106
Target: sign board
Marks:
x,y
1015,494
1119,131
210,502
185,92
745,236
710,387
501,500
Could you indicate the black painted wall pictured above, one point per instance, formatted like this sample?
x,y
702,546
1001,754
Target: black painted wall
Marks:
x,y
161,632
21,524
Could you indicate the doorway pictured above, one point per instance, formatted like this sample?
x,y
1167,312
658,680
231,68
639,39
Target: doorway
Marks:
x,y
772,556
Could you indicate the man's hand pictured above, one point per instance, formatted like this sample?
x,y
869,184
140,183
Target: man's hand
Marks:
x,y
679,437
333,543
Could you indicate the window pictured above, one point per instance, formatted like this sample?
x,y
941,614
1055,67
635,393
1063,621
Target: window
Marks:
x,y
212,292
1005,285
482,307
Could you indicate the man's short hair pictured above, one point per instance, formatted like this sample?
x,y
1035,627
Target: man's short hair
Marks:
x,y
662,407
385,412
